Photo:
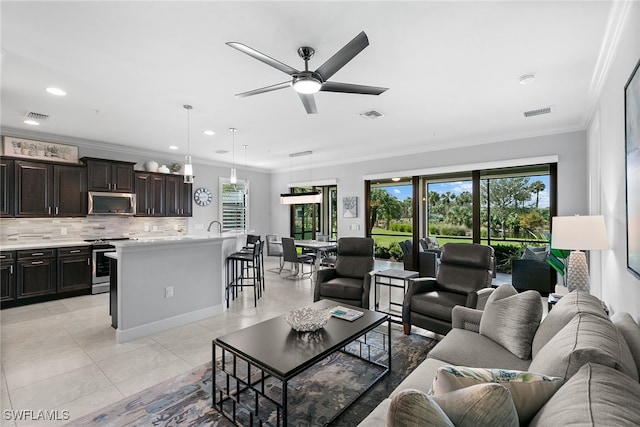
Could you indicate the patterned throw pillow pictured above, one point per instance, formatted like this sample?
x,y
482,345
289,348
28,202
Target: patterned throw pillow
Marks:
x,y
529,391
411,408
511,319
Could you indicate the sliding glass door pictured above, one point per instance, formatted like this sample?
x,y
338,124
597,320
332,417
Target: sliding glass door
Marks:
x,y
310,220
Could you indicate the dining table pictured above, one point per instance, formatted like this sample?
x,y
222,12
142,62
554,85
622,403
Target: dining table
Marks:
x,y
318,247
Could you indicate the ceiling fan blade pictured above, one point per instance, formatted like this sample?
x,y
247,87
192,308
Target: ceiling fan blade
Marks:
x,y
264,89
351,88
344,55
309,103
263,58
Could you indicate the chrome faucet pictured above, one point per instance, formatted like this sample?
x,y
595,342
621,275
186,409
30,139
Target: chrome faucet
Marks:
x,y
215,222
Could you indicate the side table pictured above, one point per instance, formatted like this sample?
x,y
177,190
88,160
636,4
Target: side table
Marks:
x,y
391,275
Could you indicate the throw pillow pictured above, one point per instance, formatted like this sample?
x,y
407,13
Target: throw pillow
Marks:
x,y
568,306
595,396
586,338
535,253
529,391
511,319
413,408
631,333
479,405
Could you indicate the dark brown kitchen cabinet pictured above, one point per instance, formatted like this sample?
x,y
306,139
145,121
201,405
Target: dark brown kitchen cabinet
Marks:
x,y
7,276
150,188
36,273
6,188
45,189
177,196
109,175
74,268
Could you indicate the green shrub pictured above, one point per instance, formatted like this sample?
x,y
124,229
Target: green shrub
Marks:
x,y
395,252
453,230
382,252
504,254
434,230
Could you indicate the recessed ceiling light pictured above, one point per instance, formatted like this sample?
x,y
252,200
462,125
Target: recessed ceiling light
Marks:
x,y
395,179
173,147
527,79
56,91
32,122
209,132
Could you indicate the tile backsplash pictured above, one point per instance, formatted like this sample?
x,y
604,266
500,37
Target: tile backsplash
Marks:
x,y
38,230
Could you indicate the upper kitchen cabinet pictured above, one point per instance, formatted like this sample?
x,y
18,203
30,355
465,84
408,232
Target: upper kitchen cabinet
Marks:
x,y
6,187
150,200
177,196
45,189
109,175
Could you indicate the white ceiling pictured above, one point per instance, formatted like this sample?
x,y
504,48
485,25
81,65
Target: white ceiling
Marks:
x,y
452,69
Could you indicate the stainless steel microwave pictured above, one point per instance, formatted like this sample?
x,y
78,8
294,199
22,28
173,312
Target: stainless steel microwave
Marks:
x,y
103,203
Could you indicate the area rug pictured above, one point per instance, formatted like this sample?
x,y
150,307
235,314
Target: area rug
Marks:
x,y
315,395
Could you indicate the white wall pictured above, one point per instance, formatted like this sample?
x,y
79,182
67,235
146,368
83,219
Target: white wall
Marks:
x,y
620,289
569,147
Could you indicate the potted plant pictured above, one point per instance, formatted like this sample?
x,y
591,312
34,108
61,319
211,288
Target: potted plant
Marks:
x,y
175,167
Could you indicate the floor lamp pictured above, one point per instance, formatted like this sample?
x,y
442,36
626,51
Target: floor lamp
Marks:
x,y
577,233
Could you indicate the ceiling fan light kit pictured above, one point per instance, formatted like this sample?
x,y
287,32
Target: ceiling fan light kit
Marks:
x,y
306,82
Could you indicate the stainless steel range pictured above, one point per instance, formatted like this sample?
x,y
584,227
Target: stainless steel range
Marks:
x,y
100,275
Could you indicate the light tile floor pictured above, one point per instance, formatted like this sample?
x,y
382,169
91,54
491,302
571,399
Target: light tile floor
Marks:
x,y
62,355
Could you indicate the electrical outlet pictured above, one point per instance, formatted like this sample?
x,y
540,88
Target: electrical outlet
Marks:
x,y
155,228
146,227
176,227
63,231
168,292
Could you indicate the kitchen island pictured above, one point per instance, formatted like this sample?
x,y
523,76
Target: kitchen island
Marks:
x,y
162,283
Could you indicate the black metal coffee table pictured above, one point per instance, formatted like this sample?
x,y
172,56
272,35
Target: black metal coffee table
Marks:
x,y
255,357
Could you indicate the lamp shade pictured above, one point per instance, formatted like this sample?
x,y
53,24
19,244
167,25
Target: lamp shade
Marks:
x,y
579,232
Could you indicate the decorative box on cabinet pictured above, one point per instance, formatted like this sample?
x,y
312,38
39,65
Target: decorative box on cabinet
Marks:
x,y
7,276
46,189
109,175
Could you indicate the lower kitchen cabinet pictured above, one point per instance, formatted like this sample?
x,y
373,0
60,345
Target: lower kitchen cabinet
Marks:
x,y
74,268
7,276
36,273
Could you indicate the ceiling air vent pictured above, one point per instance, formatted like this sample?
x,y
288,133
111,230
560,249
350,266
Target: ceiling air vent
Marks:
x,y
36,116
371,114
221,151
539,111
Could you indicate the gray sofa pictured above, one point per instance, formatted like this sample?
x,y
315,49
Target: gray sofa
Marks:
x,y
593,360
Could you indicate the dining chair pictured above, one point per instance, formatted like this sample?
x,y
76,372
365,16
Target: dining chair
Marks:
x,y
290,254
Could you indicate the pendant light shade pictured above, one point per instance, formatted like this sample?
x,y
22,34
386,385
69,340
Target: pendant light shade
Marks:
x,y
188,165
233,178
301,198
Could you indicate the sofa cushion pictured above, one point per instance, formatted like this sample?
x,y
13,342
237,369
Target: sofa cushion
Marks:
x,y
529,391
466,348
565,309
586,338
411,408
595,396
487,404
511,319
631,333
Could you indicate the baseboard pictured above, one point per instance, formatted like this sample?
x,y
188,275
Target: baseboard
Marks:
x,y
165,324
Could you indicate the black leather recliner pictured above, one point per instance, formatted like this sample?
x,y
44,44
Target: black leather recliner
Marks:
x,y
464,270
349,282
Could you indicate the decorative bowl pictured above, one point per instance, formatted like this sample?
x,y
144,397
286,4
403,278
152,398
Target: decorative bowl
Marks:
x,y
307,319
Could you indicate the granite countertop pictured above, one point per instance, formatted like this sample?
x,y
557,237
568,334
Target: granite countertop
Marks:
x,y
17,246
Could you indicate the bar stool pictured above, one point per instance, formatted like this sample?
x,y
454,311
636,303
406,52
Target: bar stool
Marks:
x,y
239,265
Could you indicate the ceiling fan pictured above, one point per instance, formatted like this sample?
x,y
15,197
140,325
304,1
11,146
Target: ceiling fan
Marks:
x,y
306,82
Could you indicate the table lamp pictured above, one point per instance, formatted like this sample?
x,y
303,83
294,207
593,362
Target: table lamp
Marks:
x,y
577,233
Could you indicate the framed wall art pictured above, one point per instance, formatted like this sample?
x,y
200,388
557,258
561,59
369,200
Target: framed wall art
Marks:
x,y
39,150
632,169
350,207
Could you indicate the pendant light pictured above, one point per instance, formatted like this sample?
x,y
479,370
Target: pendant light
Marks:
x,y
233,179
314,196
188,166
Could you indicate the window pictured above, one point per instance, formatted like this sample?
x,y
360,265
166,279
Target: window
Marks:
x,y
234,204
310,220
